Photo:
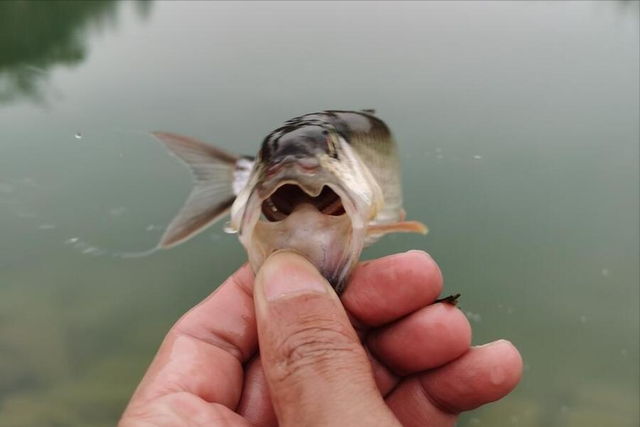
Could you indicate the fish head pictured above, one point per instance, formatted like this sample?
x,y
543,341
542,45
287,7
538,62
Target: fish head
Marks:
x,y
305,145
308,192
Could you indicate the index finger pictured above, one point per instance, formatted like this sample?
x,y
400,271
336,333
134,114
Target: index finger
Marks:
x,y
204,352
386,289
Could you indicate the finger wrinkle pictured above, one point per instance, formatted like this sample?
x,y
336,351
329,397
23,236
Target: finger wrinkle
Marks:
x,y
217,340
440,405
243,279
385,379
188,364
197,324
360,327
316,342
255,404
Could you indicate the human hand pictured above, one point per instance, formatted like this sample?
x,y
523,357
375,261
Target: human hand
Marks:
x,y
385,356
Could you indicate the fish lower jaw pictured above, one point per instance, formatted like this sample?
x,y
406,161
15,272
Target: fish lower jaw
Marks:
x,y
326,240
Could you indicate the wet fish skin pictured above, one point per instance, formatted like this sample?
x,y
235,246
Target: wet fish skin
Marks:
x,y
325,184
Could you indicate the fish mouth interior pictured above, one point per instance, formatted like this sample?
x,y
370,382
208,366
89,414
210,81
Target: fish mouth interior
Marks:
x,y
286,198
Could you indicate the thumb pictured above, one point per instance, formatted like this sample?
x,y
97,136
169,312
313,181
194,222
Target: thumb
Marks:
x,y
317,371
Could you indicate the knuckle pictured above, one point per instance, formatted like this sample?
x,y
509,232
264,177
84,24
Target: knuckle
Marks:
x,y
324,345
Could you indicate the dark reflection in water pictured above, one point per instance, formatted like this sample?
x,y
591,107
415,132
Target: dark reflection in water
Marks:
x,y
632,6
36,36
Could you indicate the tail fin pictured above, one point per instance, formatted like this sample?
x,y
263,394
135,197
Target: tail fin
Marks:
x,y
213,192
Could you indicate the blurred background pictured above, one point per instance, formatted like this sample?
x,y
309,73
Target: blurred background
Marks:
x,y
518,125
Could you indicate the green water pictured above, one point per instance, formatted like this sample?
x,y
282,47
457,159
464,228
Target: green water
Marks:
x,y
518,127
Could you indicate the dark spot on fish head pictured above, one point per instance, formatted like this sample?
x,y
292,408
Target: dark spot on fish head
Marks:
x,y
301,144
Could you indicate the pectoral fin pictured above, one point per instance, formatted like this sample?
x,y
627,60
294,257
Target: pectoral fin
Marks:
x,y
397,227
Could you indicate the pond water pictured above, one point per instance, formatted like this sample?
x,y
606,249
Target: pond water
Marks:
x,y
518,129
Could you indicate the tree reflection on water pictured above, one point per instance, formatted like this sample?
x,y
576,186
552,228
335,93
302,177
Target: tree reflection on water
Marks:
x,y
36,36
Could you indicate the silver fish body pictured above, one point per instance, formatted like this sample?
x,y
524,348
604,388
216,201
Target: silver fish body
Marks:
x,y
324,184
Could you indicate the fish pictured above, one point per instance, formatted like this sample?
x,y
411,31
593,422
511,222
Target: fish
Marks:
x,y
324,184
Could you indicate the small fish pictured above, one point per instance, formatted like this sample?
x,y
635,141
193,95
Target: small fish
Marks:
x,y
324,184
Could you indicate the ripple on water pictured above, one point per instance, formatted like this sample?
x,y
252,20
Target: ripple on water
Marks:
x,y
154,227
83,247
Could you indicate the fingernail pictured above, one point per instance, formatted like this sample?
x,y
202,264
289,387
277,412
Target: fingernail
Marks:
x,y
287,273
420,252
494,343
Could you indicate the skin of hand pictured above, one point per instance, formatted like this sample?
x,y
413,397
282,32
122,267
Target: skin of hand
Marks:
x,y
381,355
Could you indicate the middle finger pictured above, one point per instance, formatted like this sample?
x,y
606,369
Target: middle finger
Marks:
x,y
386,289
426,339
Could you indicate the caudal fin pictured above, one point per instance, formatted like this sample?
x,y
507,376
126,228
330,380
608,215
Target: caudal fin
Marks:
x,y
213,193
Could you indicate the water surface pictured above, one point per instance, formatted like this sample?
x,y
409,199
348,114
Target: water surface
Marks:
x,y
518,127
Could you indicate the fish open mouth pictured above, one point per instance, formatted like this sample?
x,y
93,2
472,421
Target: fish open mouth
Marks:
x,y
312,215
286,198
